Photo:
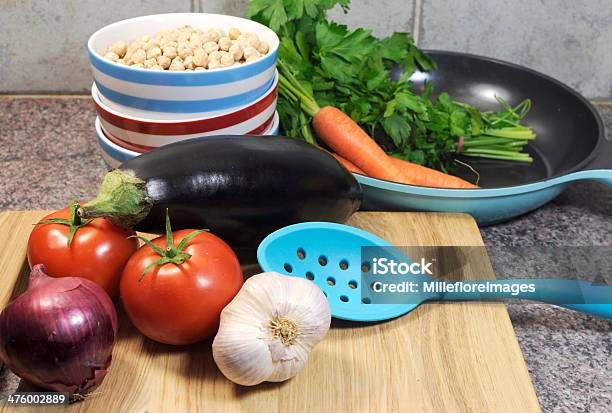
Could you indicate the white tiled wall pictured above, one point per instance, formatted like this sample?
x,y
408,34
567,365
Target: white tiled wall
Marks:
x,y
42,46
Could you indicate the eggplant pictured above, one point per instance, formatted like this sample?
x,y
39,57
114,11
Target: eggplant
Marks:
x,y
241,188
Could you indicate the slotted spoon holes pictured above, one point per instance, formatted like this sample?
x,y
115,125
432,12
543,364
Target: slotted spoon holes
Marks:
x,y
340,285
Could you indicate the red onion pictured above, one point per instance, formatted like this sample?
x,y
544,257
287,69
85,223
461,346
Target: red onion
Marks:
x,y
59,334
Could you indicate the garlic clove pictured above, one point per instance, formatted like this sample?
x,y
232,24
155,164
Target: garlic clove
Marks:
x,y
267,331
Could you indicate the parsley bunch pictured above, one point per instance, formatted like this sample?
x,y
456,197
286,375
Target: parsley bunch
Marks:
x,y
323,63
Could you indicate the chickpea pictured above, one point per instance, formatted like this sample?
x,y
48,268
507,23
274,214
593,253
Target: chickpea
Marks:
x,y
163,41
214,64
221,32
250,51
177,64
149,63
216,55
120,61
236,51
149,45
139,56
154,53
199,68
210,47
183,53
206,37
227,60
189,63
263,47
135,45
225,43
213,35
112,56
234,33
156,67
195,41
137,65
200,57
119,48
183,37
251,59
144,39
164,61
128,55
250,39
170,52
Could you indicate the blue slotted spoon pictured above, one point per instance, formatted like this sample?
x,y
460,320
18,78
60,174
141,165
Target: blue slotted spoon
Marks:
x,y
329,255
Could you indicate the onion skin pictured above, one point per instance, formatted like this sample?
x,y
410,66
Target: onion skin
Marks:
x,y
59,334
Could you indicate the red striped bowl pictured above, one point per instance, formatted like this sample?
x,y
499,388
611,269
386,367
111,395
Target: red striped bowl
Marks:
x,y
272,129
252,119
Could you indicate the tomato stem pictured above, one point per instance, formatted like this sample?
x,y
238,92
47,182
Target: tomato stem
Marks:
x,y
74,222
171,254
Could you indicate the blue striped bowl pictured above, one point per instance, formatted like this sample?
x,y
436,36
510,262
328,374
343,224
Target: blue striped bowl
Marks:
x,y
181,92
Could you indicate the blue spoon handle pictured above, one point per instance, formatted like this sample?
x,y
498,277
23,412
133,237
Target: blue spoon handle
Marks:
x,y
577,295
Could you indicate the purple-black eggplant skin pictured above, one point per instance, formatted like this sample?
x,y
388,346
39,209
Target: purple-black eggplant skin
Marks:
x,y
243,187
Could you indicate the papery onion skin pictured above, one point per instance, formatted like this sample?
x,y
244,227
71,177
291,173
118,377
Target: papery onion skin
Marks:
x,y
59,334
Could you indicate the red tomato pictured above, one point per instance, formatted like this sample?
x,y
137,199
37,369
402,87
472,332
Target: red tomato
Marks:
x,y
98,251
180,303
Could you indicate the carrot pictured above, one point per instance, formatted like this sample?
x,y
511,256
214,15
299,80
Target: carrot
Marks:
x,y
351,142
348,164
424,176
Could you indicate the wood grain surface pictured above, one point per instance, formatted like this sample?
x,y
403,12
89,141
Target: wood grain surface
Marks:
x,y
451,357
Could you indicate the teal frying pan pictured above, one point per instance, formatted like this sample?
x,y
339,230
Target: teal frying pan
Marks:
x,y
570,145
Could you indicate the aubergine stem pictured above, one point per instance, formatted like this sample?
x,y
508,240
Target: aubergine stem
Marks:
x,y
176,255
122,198
74,222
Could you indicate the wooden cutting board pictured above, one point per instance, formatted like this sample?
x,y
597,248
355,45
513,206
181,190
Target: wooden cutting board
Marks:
x,y
450,357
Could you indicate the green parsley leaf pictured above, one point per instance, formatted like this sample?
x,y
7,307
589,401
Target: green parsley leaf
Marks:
x,y
397,128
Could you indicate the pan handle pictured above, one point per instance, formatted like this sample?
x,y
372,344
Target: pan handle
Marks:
x,y
603,160
600,169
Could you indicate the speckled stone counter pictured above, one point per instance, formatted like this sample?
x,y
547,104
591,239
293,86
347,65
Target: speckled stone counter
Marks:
x,y
48,155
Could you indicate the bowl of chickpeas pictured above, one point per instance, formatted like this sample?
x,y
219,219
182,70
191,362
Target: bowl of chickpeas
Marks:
x,y
183,63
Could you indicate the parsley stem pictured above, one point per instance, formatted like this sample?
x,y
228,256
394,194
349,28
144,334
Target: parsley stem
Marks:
x,y
307,102
526,159
511,134
469,143
500,152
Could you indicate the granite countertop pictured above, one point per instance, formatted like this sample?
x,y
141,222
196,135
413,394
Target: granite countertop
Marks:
x,y
49,154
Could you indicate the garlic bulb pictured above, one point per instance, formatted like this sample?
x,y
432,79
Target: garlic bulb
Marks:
x,y
267,331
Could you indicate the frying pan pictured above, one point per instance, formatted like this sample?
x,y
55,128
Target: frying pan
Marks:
x,y
570,143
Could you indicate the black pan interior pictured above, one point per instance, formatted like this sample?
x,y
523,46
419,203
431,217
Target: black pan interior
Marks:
x,y
567,128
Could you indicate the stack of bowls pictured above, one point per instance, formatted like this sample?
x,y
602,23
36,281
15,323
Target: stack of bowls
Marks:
x,y
141,109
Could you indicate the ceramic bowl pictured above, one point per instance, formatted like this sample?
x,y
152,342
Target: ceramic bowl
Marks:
x,y
252,119
184,91
115,152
